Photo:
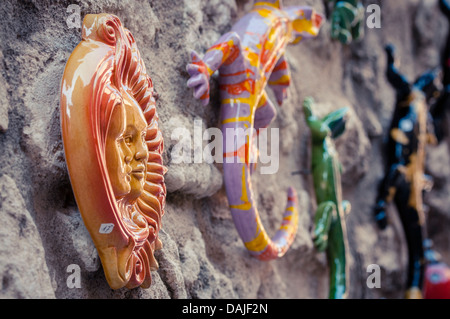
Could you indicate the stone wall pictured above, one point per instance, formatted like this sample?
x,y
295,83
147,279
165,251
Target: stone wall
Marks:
x,y
42,232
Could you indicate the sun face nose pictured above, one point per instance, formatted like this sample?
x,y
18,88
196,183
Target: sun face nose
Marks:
x,y
141,150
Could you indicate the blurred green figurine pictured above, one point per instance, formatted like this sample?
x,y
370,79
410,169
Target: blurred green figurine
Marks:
x,y
330,232
347,20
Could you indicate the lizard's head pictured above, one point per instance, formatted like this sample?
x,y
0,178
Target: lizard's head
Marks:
x,y
318,130
305,21
332,125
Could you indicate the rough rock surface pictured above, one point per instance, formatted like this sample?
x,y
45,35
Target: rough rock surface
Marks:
x,y
42,232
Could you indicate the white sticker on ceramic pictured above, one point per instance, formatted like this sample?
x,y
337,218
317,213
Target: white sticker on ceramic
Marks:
x,y
106,228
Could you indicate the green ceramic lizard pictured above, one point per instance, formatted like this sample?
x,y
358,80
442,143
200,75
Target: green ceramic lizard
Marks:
x,y
330,231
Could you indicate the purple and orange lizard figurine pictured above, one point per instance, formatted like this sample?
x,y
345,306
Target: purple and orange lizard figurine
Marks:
x,y
248,58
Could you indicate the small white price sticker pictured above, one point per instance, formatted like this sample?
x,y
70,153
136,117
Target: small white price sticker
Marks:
x,y
106,228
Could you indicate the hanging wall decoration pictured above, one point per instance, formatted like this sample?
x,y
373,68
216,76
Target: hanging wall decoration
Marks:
x,y
330,232
347,20
248,58
113,149
404,182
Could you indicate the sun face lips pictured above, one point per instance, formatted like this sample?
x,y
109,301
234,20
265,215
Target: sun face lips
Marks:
x,y
139,171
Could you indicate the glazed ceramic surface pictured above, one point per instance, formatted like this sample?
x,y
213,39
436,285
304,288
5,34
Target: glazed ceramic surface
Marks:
x,y
249,58
404,182
113,149
330,232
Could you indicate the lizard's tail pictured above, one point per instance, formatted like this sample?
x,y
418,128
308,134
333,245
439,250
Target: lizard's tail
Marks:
x,y
247,220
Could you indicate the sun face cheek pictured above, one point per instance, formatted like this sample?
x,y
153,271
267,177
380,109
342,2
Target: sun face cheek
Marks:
x,y
144,151
124,174
117,169
143,159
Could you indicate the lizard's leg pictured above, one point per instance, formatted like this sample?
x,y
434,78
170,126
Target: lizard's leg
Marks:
x,y
386,193
358,26
280,79
265,113
322,223
224,51
398,81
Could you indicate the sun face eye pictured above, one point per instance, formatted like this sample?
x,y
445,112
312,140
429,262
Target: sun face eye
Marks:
x,y
128,140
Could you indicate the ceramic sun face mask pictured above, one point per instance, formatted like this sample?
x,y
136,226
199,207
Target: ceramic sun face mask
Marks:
x,y
113,149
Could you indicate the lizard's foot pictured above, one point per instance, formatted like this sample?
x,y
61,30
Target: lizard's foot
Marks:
x,y
281,94
325,213
321,241
343,35
199,78
413,293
